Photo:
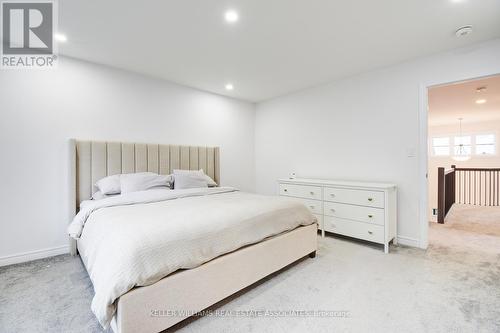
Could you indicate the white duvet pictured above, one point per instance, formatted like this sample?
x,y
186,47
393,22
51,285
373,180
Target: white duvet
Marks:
x,y
138,238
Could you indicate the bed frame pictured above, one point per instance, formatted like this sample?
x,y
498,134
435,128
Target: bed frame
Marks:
x,y
179,295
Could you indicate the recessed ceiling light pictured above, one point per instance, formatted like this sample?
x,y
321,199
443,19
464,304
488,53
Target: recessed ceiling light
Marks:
x,y
463,31
231,16
480,101
60,37
229,86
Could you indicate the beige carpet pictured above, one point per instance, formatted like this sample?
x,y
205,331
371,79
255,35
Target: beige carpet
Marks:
x,y
469,228
477,219
454,286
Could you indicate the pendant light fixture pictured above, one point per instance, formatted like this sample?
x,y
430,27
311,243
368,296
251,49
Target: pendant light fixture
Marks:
x,y
461,155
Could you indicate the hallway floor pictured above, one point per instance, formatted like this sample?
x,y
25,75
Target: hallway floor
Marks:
x,y
469,229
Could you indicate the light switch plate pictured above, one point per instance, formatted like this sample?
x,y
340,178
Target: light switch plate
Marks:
x,y
411,152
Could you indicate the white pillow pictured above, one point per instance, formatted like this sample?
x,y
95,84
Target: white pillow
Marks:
x,y
99,196
109,185
210,181
189,179
133,182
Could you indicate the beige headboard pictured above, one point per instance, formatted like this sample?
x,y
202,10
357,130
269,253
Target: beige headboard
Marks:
x,y
93,160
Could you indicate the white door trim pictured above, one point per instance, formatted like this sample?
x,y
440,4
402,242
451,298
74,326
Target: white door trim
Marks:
x,y
422,166
423,147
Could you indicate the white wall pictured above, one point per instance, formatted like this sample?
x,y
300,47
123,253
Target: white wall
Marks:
x,y
41,110
362,128
357,128
492,161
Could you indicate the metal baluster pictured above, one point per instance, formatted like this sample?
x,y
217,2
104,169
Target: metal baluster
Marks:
x,y
459,187
469,173
475,187
489,183
464,186
485,188
479,188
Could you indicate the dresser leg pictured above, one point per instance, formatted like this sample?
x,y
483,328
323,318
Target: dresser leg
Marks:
x,y
395,241
386,248
312,254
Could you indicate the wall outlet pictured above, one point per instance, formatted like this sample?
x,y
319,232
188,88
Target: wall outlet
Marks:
x,y
434,211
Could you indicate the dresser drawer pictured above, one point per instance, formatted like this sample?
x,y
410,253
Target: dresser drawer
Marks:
x,y
301,191
315,206
353,212
320,221
366,231
355,197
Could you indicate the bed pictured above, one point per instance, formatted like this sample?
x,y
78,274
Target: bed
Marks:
x,y
275,233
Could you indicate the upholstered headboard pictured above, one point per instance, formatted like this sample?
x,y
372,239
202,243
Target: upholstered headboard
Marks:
x,y
93,160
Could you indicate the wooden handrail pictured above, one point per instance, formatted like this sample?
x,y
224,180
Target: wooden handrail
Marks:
x,y
449,171
477,169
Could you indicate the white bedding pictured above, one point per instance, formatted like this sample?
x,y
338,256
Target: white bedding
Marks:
x,y
136,239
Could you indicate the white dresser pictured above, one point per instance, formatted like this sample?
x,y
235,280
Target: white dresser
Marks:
x,y
360,210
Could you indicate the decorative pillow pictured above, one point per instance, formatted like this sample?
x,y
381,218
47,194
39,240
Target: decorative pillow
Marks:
x,y
109,185
133,182
189,179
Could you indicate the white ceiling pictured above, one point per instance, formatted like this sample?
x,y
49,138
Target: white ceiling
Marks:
x,y
449,102
277,46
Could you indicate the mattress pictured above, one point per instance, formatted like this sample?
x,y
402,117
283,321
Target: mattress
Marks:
x,y
137,239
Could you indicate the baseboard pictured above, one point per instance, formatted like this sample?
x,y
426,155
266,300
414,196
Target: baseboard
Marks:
x,y
408,241
39,254
33,255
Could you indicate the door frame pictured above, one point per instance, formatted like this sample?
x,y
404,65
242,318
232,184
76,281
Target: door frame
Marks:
x,y
423,146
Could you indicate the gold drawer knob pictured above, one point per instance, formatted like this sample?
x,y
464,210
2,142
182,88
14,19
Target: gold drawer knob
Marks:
x,y
312,207
370,199
370,232
285,190
370,216
332,195
333,210
312,193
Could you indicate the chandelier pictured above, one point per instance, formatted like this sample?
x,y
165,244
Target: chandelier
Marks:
x,y
461,154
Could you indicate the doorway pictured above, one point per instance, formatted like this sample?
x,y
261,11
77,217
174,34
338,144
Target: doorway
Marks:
x,y
463,130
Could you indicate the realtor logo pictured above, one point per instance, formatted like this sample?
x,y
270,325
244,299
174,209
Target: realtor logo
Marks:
x,y
28,34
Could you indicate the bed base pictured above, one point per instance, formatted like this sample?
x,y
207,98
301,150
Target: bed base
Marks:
x,y
151,309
